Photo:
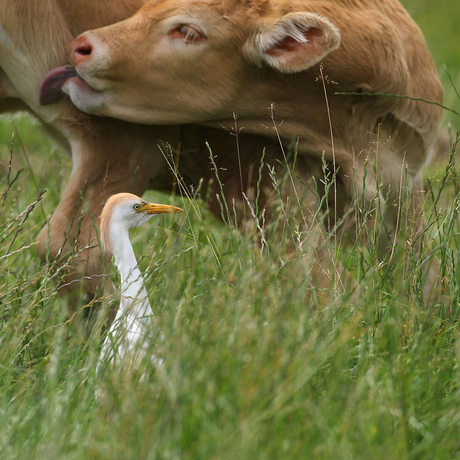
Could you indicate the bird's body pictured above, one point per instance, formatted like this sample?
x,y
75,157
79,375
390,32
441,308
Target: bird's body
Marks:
x,y
122,212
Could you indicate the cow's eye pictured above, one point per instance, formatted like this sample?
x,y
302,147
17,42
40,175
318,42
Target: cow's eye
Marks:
x,y
188,33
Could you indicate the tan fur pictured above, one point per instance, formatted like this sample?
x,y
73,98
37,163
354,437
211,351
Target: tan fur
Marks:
x,y
370,46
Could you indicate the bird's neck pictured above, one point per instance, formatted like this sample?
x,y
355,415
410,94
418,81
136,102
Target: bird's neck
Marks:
x,y
126,262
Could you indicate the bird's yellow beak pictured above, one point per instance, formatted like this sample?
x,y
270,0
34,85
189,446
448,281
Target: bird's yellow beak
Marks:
x,y
152,208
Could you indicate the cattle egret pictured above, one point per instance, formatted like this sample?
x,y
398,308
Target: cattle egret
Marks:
x,y
122,212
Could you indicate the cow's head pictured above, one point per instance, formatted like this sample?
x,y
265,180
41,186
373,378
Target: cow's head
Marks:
x,y
177,61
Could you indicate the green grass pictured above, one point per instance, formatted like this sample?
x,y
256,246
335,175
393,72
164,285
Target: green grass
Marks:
x,y
258,362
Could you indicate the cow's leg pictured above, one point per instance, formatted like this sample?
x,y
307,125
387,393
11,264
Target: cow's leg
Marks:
x,y
401,186
395,217
105,161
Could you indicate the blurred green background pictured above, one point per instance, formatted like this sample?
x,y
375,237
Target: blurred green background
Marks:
x,y
440,24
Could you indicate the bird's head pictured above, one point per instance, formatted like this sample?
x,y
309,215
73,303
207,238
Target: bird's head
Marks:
x,y
124,211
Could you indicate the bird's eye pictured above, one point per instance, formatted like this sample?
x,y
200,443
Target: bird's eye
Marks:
x,y
187,33
136,207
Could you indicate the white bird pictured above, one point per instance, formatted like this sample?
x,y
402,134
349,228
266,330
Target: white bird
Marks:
x,y
133,320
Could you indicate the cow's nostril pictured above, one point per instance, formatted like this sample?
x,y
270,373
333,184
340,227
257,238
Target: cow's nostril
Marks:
x,y
81,49
84,49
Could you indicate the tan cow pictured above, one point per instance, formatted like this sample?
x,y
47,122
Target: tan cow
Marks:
x,y
202,61
108,155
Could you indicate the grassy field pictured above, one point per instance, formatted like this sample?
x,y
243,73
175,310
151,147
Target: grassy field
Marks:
x,y
258,362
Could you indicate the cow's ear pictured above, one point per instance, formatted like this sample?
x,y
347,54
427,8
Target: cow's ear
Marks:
x,y
294,43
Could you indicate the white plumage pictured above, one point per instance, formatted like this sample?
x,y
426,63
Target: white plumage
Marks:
x,y
122,212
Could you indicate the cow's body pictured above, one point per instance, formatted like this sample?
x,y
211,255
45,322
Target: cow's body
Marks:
x,y
205,60
108,155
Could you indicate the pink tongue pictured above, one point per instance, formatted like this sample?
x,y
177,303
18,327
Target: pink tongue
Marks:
x,y
50,89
